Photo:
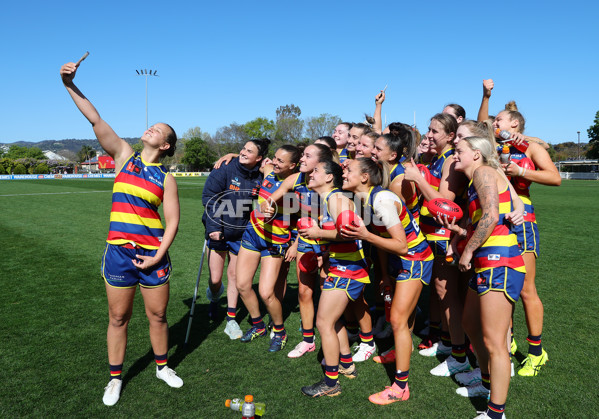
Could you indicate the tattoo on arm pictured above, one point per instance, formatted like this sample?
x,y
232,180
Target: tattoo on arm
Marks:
x,y
485,184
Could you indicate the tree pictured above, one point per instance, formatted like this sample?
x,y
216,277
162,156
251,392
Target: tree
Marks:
x,y
593,133
86,153
41,169
289,125
20,169
18,152
198,154
229,139
320,126
260,128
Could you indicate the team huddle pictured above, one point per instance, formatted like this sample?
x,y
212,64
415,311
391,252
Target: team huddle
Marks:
x,y
353,211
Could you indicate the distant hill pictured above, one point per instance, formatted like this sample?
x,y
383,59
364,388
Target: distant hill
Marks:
x,y
68,146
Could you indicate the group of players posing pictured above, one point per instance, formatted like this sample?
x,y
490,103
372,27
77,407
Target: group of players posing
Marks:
x,y
409,247
401,246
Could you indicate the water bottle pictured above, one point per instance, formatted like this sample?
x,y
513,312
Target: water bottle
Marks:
x,y
503,134
388,300
237,404
506,136
504,157
248,410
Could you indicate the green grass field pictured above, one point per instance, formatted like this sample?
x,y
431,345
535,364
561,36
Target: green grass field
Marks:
x,y
53,317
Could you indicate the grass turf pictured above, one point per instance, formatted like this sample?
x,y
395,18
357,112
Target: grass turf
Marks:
x,y
53,315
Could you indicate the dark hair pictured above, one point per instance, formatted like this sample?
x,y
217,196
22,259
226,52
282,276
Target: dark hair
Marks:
x,y
365,128
171,139
295,152
378,172
262,144
459,111
349,125
401,139
324,153
332,168
450,124
330,141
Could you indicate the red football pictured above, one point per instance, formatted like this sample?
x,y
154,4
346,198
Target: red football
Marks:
x,y
426,174
348,217
304,222
442,206
308,262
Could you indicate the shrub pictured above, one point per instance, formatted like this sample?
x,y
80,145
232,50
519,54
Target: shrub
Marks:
x,y
20,169
41,169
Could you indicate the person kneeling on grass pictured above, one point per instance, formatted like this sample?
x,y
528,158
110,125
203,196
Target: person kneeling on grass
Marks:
x,y
137,245
347,276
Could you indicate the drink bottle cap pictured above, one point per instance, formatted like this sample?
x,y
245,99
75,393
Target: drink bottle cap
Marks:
x,y
228,402
249,398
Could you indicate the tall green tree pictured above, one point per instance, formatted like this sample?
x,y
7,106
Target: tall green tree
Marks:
x,y
198,155
593,133
322,125
260,128
289,124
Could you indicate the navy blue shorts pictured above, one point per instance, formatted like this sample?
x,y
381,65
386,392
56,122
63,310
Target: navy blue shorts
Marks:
x,y
119,271
304,247
506,280
352,288
438,247
224,246
528,237
252,241
416,270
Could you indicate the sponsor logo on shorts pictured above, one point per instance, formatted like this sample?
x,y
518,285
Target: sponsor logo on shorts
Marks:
x,y
162,273
481,280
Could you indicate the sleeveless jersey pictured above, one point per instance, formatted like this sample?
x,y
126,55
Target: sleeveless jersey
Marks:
x,y
308,200
344,155
136,195
418,248
501,248
276,230
524,193
412,203
431,229
346,258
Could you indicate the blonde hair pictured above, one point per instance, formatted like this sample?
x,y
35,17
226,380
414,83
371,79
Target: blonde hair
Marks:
x,y
512,110
487,151
482,129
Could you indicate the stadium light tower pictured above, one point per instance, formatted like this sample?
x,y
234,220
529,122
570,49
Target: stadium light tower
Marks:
x,y
578,132
145,73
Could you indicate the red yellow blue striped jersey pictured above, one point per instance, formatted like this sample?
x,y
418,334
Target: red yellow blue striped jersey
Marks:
x,y
137,193
412,203
432,230
501,248
276,229
524,193
346,258
418,248
308,200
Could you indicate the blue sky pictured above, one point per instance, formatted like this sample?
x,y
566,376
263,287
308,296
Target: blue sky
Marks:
x,y
224,62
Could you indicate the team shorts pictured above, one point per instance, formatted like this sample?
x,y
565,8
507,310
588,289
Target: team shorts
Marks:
x,y
253,242
119,271
304,247
504,279
415,270
224,246
352,288
528,237
438,247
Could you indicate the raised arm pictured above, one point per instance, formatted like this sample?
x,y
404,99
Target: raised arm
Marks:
x,y
483,112
378,106
117,148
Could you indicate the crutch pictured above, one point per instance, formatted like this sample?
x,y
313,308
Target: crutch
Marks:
x,y
195,291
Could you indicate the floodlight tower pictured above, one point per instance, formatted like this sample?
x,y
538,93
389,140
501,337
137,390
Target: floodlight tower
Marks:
x,y
578,144
145,73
